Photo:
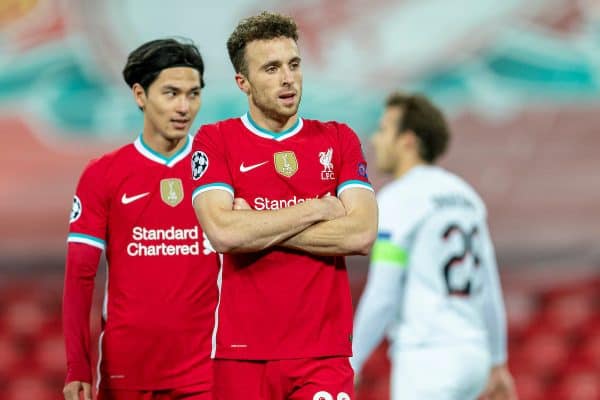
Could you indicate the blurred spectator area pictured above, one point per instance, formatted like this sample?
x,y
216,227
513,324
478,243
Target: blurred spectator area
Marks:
x,y
537,172
554,335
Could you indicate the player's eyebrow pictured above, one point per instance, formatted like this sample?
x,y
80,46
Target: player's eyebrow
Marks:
x,y
178,89
171,87
278,63
272,63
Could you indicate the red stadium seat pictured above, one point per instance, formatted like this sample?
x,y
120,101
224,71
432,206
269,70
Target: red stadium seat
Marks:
x,y
25,317
568,312
31,387
50,354
588,352
530,387
10,355
579,386
545,353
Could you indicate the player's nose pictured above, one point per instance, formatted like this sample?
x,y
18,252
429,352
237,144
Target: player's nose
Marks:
x,y
183,105
287,76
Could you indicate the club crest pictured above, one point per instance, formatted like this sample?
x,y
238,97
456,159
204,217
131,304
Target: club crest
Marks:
x,y
325,160
171,191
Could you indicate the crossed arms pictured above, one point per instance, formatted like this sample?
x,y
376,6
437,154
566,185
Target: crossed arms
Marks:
x,y
325,226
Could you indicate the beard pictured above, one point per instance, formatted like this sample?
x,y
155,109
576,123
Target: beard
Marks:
x,y
272,109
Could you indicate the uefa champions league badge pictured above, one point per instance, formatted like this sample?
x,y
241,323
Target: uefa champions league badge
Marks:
x,y
75,210
362,169
199,164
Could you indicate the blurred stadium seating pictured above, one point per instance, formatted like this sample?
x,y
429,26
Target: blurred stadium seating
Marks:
x,y
32,355
554,349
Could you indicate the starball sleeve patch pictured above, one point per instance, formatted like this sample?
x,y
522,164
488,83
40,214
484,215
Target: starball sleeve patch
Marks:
x,y
76,210
199,164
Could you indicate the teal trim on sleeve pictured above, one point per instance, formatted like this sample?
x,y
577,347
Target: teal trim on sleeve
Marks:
x,y
86,237
353,183
210,186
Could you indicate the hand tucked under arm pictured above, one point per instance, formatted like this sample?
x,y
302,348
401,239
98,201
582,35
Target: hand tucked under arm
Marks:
x,y
500,385
239,230
352,233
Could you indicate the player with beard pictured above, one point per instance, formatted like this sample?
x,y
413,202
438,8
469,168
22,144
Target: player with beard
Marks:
x,y
284,325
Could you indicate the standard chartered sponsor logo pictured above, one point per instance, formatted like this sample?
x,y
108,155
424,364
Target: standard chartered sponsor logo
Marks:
x,y
265,203
172,233
168,242
162,249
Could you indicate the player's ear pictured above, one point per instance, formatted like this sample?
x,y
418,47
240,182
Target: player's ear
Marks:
x,y
242,83
411,139
139,94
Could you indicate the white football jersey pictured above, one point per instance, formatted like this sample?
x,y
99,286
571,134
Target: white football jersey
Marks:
x,y
438,222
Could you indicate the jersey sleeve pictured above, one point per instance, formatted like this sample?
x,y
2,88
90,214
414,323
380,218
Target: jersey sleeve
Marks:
x,y
209,162
399,215
494,311
89,213
353,169
376,310
383,291
86,240
80,271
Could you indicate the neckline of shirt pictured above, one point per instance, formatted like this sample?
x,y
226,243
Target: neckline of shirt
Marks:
x,y
253,127
153,155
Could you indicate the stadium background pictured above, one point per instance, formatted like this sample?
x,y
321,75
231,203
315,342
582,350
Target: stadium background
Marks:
x,y
519,80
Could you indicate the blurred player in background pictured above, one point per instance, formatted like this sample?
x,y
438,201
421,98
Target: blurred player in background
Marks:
x,y
161,293
284,198
433,284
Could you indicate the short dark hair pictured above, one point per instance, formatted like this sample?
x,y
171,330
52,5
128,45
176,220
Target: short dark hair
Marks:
x,y
421,116
263,26
145,63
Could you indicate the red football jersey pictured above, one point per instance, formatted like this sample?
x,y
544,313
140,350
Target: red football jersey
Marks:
x,y
278,303
161,293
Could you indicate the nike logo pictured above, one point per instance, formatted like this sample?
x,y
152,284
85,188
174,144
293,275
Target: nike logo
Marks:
x,y
127,200
243,168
